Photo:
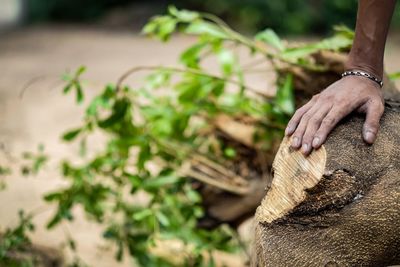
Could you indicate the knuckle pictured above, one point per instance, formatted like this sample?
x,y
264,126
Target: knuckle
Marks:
x,y
329,120
307,116
315,97
329,98
314,120
340,104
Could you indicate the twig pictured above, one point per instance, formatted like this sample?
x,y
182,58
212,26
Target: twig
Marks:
x,y
231,178
219,168
179,70
188,172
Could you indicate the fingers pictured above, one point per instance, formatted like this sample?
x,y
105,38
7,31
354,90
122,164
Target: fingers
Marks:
x,y
311,119
327,124
371,126
312,127
295,120
297,136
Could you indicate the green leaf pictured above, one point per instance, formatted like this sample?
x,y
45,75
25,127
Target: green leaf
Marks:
x,y
227,60
160,181
150,27
101,101
52,196
72,244
67,88
193,195
138,216
191,56
4,171
80,71
144,155
270,37
206,28
344,30
183,15
120,109
79,93
71,135
230,152
337,42
157,79
162,218
284,98
161,27
394,76
163,126
166,29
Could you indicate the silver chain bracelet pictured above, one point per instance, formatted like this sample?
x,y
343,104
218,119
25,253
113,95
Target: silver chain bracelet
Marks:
x,y
363,74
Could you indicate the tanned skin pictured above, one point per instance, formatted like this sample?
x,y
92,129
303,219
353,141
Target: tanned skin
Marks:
x,y
312,123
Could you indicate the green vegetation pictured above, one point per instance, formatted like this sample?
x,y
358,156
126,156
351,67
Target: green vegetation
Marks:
x,y
143,125
140,203
15,240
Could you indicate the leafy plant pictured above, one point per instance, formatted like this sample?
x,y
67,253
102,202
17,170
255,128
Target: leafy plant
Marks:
x,y
16,240
144,205
34,162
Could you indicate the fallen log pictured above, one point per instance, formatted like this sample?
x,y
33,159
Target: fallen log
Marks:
x,y
340,206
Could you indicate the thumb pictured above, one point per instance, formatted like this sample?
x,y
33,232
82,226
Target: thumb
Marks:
x,y
371,126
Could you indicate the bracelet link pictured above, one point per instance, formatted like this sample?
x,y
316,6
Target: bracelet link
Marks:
x,y
363,74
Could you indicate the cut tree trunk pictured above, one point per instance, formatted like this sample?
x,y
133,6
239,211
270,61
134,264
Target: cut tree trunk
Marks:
x,y
240,131
340,206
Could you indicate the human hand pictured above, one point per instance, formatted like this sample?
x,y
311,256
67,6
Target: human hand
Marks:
x,y
311,124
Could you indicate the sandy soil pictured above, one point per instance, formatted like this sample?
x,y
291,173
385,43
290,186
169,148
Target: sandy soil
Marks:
x,y
37,57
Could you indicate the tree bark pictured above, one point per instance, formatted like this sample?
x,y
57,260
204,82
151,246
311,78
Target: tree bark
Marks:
x,y
340,206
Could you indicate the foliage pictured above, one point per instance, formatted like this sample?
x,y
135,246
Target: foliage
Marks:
x,y
284,16
15,240
33,162
141,203
4,171
121,188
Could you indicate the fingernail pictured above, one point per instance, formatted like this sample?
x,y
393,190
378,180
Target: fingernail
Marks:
x,y
289,130
295,142
369,137
315,142
305,148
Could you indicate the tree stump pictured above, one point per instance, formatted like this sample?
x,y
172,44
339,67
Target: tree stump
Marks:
x,y
340,206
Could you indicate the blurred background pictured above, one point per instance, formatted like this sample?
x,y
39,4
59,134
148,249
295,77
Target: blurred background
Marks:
x,y
41,39
285,16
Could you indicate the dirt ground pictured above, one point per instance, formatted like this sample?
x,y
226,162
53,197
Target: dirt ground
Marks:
x,y
35,58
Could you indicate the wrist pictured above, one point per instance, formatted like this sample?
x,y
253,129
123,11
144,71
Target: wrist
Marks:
x,y
374,68
363,74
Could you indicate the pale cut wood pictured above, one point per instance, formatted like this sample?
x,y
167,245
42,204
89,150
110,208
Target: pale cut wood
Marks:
x,y
293,174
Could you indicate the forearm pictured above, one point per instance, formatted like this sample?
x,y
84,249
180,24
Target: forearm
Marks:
x,y
373,21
